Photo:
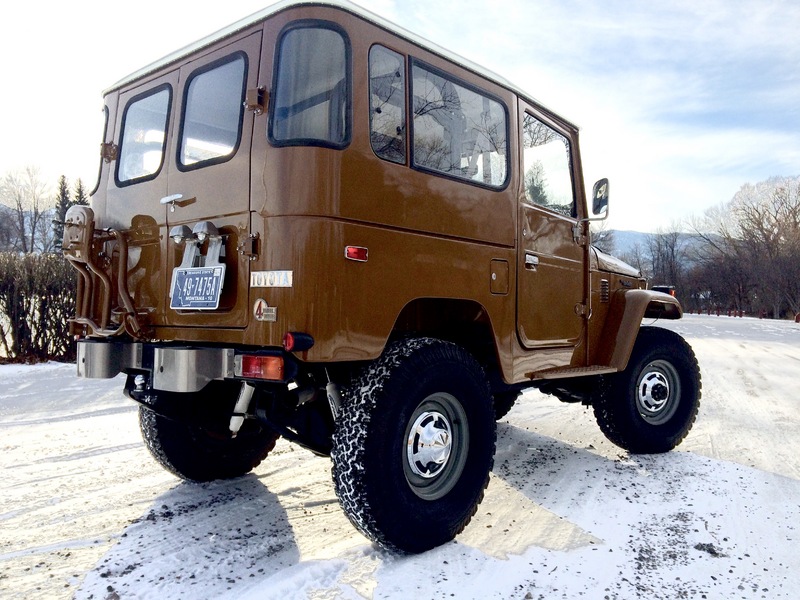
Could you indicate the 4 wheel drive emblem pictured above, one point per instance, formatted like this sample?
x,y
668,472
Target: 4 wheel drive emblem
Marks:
x,y
264,312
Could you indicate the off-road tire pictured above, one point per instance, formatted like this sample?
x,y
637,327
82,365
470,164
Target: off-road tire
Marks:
x,y
391,493
651,406
198,453
503,403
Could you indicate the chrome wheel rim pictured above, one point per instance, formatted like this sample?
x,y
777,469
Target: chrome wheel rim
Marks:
x,y
436,444
658,392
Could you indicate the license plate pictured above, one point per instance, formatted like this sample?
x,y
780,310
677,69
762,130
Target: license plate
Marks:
x,y
196,288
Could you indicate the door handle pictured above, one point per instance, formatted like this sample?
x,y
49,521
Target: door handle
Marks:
x,y
531,261
176,200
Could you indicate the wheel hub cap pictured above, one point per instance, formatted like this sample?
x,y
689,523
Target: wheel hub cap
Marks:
x,y
653,392
430,442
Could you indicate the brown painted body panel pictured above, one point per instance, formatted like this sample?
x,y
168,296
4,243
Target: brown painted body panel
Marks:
x,y
351,307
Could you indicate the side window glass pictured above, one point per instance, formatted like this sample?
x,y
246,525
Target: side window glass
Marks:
x,y
387,89
212,113
547,163
144,126
458,131
311,103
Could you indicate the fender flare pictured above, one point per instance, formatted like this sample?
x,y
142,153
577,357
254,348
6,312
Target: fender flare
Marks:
x,y
628,308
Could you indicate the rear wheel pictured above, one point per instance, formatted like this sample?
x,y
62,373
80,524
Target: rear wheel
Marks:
x,y
651,406
206,452
414,445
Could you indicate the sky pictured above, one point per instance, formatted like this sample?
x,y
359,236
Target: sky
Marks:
x,y
680,103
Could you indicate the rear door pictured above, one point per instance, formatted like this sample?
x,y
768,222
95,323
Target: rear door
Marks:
x,y
139,181
550,262
209,186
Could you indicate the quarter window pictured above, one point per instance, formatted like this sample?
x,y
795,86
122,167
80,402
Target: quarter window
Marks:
x,y
212,114
143,136
458,131
387,84
311,101
547,162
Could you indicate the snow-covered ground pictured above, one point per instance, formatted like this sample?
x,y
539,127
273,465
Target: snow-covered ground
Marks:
x,y
86,513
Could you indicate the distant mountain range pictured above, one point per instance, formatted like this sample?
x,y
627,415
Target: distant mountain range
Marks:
x,y
625,241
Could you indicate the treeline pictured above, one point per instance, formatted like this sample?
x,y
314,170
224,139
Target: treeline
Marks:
x,y
741,256
37,286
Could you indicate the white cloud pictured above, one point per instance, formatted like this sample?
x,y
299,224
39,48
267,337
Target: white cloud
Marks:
x,y
680,103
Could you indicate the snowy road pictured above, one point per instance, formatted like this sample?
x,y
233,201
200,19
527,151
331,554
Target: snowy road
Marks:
x,y
86,513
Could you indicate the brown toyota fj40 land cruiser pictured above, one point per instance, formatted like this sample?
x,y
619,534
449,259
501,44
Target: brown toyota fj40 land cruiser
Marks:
x,y
316,225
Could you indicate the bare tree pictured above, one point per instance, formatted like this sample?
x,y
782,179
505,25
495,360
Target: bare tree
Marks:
x,y
754,240
6,229
26,195
768,227
602,236
637,257
666,256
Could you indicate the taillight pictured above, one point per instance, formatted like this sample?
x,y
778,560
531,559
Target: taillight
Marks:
x,y
262,367
294,341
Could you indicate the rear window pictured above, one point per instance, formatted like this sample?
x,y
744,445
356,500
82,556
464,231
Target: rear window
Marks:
x,y
144,124
311,103
211,128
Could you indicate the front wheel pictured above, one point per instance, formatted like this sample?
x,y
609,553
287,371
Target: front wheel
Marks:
x,y
414,445
651,406
504,402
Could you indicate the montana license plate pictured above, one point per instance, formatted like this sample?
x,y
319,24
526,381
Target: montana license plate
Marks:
x,y
196,288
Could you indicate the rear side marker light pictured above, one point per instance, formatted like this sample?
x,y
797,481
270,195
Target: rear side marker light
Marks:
x,y
297,342
263,367
357,253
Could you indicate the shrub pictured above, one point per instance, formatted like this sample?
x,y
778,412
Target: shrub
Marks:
x,y
37,297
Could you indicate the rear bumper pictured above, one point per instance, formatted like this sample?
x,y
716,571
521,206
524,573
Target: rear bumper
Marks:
x,y
171,368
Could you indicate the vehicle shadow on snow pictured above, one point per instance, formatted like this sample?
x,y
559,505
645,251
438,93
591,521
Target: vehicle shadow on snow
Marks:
x,y
223,538
197,540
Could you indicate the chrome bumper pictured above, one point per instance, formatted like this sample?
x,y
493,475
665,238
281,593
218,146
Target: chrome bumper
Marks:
x,y
171,369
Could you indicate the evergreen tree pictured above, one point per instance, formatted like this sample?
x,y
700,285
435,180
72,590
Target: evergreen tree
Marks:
x,y
80,196
63,202
535,184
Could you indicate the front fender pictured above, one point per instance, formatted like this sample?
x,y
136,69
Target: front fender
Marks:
x,y
628,308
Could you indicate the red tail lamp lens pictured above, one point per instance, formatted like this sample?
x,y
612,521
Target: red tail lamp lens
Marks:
x,y
294,341
263,367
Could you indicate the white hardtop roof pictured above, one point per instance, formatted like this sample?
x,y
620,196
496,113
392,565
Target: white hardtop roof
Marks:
x,y
341,4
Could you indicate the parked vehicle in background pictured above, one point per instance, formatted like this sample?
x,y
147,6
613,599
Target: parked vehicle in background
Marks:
x,y
316,225
664,289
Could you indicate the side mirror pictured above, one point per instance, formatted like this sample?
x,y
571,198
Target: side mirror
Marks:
x,y
600,198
